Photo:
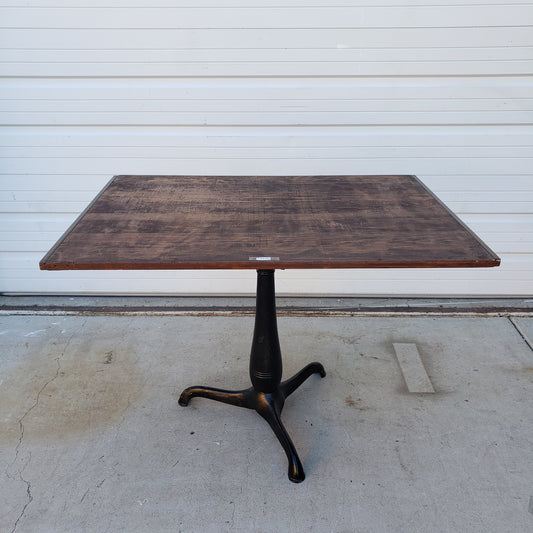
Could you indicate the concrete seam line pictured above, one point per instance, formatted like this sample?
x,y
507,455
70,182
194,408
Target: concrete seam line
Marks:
x,y
522,333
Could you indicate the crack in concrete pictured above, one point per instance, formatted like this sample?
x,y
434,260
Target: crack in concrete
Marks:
x,y
29,500
83,497
19,444
21,438
232,523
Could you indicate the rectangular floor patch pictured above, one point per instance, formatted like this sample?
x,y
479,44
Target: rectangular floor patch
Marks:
x,y
413,370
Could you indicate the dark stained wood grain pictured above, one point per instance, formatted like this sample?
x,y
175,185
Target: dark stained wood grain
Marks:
x,y
209,222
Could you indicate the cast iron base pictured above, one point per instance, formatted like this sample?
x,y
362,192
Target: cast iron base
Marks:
x,y
267,394
268,405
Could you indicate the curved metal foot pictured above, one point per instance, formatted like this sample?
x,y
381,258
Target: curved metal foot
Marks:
x,y
289,386
238,398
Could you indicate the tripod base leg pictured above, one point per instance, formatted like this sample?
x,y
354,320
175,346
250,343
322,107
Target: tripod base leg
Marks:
x,y
289,386
270,408
237,398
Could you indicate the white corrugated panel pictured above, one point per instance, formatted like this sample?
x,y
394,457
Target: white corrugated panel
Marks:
x,y
443,90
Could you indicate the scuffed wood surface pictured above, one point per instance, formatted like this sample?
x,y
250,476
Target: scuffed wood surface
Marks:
x,y
227,222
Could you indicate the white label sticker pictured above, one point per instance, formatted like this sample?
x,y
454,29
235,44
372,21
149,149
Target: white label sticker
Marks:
x,y
263,258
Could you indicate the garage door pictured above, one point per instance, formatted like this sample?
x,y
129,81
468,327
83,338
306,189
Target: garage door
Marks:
x,y
266,87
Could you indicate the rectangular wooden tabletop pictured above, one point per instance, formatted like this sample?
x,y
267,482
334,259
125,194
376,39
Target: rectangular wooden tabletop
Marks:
x,y
266,222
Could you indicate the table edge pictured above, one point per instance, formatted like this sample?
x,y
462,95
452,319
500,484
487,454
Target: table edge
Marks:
x,y
271,265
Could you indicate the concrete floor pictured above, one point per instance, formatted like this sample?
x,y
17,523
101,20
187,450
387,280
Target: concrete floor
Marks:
x,y
92,438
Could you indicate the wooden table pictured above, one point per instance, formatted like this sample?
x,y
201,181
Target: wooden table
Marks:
x,y
266,223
